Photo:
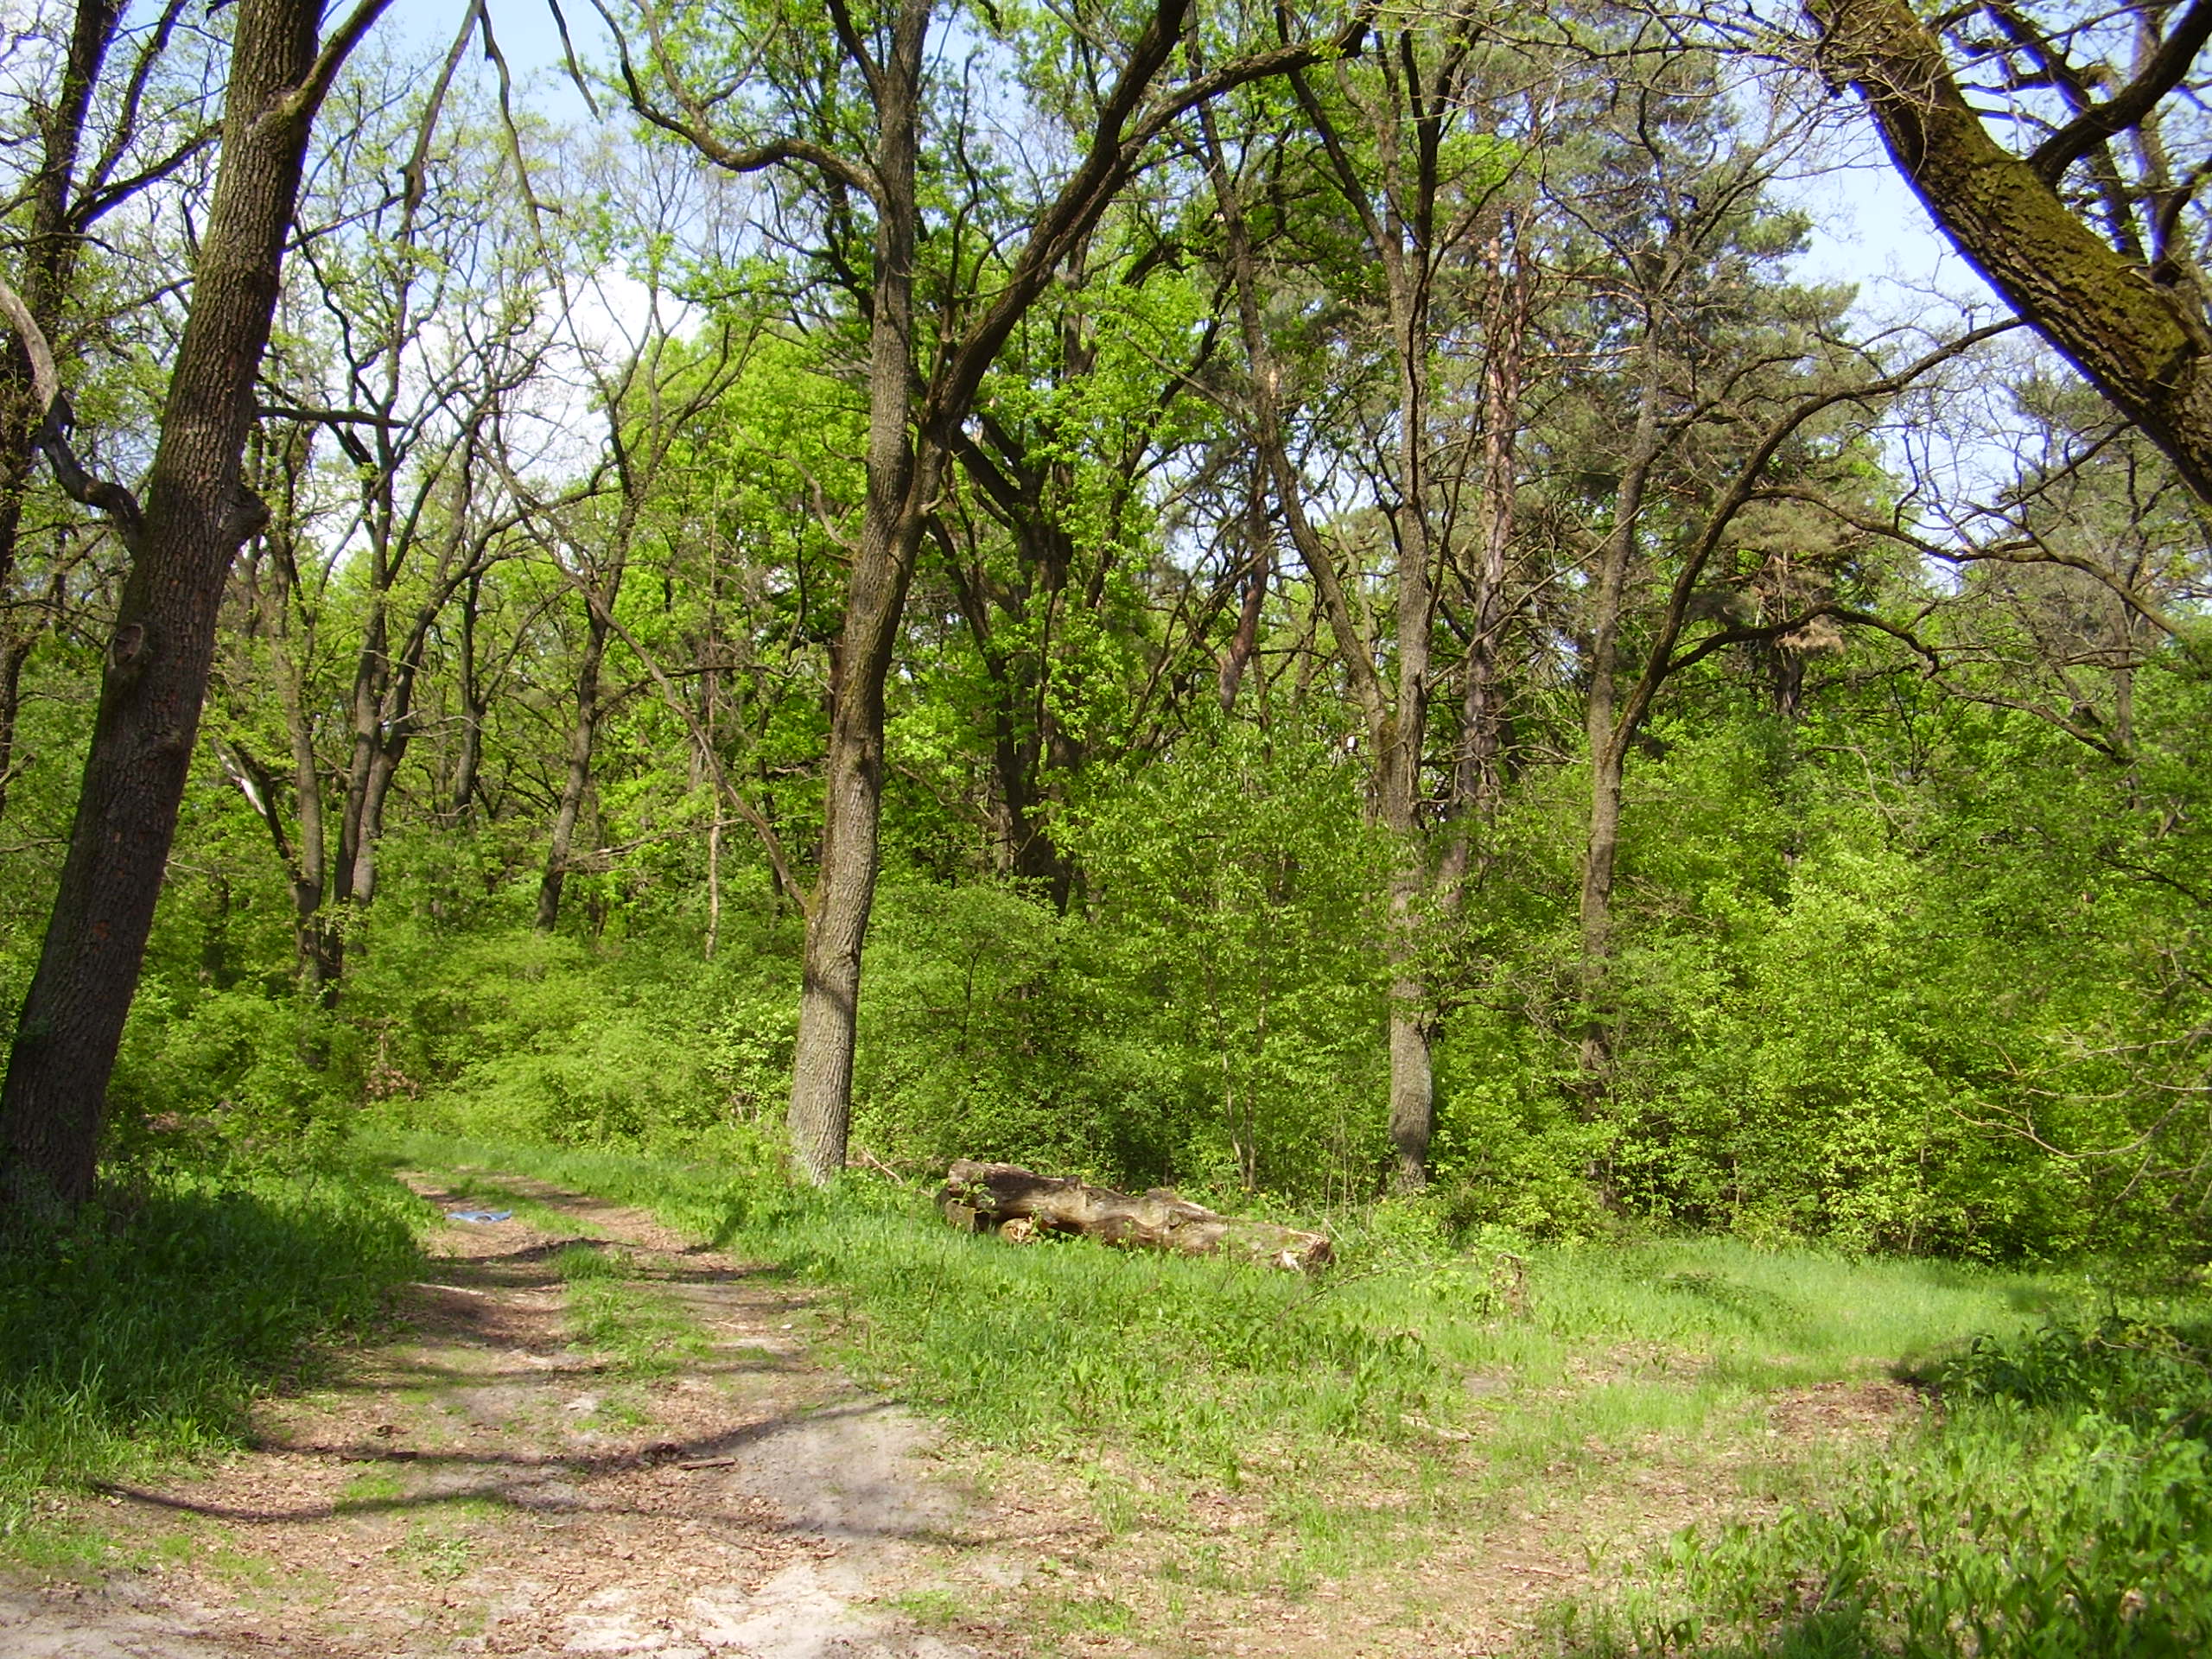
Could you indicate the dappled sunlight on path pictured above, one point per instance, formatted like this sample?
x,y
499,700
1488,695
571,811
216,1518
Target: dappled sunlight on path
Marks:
x,y
489,1483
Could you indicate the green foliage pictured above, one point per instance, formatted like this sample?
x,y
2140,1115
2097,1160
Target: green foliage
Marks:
x,y
542,1037
991,1029
1236,888
144,1333
229,1078
2058,1507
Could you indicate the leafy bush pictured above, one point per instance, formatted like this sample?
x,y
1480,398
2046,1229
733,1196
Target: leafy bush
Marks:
x,y
2061,1507
542,1037
230,1076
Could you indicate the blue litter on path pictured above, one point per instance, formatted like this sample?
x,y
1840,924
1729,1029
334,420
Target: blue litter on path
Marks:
x,y
480,1214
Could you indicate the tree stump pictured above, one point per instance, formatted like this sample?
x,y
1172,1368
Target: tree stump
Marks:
x,y
979,1197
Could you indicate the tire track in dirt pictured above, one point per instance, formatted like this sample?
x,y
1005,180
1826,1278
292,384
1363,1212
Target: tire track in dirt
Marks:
x,y
482,1485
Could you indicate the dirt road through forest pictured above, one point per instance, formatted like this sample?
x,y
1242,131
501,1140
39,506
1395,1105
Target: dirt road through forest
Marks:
x,y
591,1435
487,1483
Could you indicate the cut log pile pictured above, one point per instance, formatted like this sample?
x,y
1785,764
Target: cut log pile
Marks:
x,y
1019,1202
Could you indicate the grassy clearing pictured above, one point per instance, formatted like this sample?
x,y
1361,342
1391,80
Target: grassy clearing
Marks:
x,y
2061,1507
143,1334
1417,1391
2058,1505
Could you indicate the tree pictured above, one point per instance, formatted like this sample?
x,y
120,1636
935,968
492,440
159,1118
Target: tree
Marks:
x,y
182,530
2124,300
849,112
1418,182
137,151
407,339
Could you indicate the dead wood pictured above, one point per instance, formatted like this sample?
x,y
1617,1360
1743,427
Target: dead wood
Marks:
x,y
979,1196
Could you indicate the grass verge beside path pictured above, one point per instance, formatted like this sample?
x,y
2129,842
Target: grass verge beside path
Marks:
x,y
2061,1507
145,1332
1416,1392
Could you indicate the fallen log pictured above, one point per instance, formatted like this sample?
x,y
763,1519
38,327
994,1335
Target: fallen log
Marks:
x,y
979,1197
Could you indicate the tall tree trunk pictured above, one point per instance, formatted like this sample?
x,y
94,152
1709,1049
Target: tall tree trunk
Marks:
x,y
576,782
320,946
1602,729
822,1077
1478,782
1259,569
1398,213
50,260
901,485
473,702
196,514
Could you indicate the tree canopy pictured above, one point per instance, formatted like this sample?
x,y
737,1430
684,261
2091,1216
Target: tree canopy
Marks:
x,y
1311,589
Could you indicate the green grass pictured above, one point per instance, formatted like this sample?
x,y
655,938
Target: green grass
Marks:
x,y
143,1335
2063,1489
1207,1366
615,1310
2060,1508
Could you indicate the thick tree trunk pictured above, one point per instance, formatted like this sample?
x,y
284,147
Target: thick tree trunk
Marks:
x,y
1398,764
901,488
1003,1195
196,514
836,930
2135,339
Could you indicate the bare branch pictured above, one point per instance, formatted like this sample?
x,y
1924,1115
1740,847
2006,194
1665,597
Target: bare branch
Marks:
x,y
54,419
2169,66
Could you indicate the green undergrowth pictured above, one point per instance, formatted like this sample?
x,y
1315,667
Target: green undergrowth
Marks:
x,y
1542,1358
144,1333
2060,1507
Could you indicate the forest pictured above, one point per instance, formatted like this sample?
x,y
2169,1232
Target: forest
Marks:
x,y
704,608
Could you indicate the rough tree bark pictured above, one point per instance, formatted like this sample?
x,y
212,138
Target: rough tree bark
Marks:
x,y
2134,331
195,513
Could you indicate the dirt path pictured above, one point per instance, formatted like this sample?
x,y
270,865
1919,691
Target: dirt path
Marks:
x,y
593,1437
485,1484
